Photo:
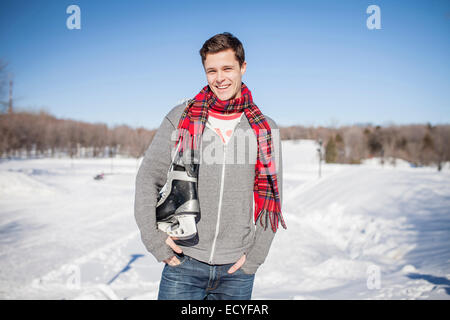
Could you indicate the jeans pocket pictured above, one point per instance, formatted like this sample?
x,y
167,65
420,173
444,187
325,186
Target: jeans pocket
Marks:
x,y
182,258
241,271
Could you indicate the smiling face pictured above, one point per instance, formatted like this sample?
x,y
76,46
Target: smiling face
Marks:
x,y
224,74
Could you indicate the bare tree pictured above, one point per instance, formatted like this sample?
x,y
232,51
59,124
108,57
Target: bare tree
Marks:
x,y
3,86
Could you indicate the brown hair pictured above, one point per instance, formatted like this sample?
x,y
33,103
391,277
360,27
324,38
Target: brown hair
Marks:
x,y
221,42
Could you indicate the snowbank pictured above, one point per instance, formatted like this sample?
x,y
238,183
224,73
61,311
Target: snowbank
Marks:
x,y
357,232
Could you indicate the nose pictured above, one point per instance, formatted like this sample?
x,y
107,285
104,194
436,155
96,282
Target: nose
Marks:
x,y
220,76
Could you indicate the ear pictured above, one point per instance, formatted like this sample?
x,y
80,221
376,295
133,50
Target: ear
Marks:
x,y
243,67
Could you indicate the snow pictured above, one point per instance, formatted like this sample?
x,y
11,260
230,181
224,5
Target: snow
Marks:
x,y
359,232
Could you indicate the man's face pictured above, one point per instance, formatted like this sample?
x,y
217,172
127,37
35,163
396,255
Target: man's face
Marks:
x,y
224,74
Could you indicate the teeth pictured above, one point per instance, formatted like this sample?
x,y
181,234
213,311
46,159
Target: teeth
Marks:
x,y
223,87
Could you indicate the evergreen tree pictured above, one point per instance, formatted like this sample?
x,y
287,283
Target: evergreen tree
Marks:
x,y
330,151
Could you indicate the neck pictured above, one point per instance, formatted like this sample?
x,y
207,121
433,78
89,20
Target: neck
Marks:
x,y
238,93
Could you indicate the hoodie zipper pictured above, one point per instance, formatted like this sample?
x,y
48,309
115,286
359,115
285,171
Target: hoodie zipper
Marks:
x,y
222,179
219,212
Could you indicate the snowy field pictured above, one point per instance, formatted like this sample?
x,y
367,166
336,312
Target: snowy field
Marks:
x,y
359,232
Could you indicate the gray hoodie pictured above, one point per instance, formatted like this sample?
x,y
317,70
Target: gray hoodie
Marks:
x,y
226,229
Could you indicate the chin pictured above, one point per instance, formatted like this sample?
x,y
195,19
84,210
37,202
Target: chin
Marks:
x,y
225,97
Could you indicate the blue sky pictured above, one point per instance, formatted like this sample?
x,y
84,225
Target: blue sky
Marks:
x,y
309,62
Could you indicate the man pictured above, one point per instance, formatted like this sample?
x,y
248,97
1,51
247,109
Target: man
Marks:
x,y
240,200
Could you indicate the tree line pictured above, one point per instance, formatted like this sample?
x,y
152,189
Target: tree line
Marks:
x,y
39,134
419,144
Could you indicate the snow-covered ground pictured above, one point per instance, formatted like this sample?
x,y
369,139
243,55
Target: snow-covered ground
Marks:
x,y
359,232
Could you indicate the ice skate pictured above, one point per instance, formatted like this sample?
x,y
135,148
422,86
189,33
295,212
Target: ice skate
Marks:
x,y
177,209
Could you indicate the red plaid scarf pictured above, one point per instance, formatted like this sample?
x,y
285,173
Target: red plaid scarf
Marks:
x,y
192,124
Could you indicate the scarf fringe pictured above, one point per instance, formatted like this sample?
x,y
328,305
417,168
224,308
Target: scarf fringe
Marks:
x,y
273,217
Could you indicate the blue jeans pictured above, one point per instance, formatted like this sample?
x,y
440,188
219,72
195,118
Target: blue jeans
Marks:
x,y
195,280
